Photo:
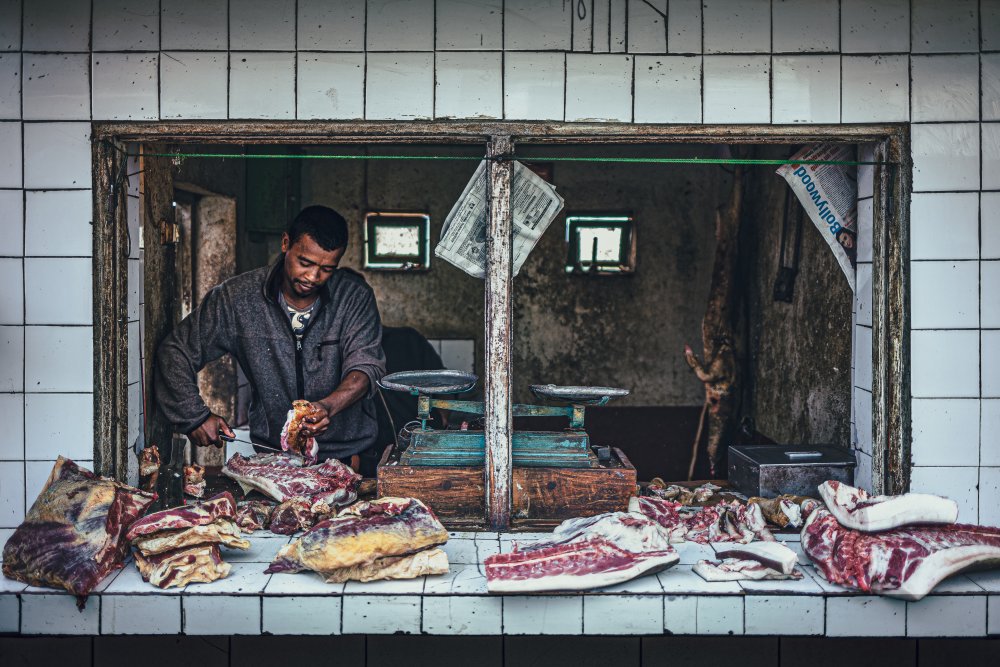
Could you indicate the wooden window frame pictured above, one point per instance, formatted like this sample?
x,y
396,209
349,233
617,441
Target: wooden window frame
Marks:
x,y
891,431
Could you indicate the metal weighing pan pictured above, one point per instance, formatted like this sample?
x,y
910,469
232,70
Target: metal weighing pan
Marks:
x,y
577,395
430,383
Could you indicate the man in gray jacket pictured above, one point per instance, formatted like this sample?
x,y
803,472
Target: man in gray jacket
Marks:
x,y
300,329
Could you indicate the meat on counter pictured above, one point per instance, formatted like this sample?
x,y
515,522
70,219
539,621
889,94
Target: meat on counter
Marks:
x,y
282,476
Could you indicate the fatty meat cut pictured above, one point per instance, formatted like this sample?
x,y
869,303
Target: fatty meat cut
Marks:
x,y
201,563
282,477
854,508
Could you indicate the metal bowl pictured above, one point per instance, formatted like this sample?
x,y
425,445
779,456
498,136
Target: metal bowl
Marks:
x,y
430,383
577,395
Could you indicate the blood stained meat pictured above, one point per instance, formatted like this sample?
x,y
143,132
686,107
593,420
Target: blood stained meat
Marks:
x,y
282,476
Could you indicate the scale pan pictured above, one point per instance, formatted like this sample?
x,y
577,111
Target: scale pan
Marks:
x,y
577,395
430,383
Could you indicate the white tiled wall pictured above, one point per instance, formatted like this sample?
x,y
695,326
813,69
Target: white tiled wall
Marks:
x,y
64,63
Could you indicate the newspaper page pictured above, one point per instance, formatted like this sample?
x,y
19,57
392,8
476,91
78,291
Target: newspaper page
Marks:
x,y
534,204
829,194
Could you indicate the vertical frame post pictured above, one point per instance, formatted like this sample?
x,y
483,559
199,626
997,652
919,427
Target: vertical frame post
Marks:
x,y
497,405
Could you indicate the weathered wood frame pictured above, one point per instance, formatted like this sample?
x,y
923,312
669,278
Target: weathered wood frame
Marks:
x,y
890,273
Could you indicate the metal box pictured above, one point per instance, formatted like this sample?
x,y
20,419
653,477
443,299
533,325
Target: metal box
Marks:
x,y
771,470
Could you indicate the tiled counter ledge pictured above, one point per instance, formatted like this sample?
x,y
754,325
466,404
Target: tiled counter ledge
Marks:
x,y
677,601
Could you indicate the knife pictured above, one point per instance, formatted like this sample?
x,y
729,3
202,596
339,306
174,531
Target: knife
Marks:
x,y
229,438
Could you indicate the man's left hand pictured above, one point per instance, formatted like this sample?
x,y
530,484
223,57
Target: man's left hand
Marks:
x,y
317,425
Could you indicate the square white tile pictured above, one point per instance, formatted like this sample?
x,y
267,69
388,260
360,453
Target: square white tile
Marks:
x,y
692,552
991,156
863,358
993,604
461,552
785,615
331,26
667,89
58,290
10,613
125,86
221,614
990,86
991,363
720,615
10,155
245,579
956,483
36,473
989,439
797,587
681,580
331,85
538,25
12,417
989,289
646,26
300,584
622,614
10,26
680,614
684,32
945,432
71,435
58,223
12,508
315,615
947,616
140,614
863,294
131,26
56,25
381,614
945,87
386,587
944,294
10,86
399,86
468,85
875,89
56,155
542,615
59,359
865,616
802,26
261,85
598,87
617,26
12,358
194,24
933,379
462,579
951,27
534,86
990,230
463,615
737,89
56,86
12,298
467,26
945,156
262,25
802,90
874,26
193,84
11,221
583,30
262,550
863,419
944,225
737,26
459,354
400,25
44,614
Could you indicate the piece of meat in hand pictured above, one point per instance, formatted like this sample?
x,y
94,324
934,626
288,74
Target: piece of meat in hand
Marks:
x,y
293,439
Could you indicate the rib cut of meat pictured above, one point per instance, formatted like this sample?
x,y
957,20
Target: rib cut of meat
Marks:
x,y
201,563
254,515
724,522
773,555
221,506
734,569
361,534
278,477
632,532
292,438
221,531
428,561
902,562
854,508
74,533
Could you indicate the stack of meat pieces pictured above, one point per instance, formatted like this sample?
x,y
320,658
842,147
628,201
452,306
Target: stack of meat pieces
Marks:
x,y
75,532
588,552
387,538
179,546
293,439
724,522
306,494
898,546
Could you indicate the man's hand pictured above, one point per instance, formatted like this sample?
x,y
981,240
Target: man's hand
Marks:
x,y
208,433
317,424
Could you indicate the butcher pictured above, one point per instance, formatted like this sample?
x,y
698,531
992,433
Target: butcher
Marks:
x,y
300,330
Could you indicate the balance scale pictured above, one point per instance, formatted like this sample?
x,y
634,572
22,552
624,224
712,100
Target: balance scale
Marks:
x,y
434,447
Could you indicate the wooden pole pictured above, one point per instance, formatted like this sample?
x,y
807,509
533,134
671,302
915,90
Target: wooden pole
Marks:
x,y
497,410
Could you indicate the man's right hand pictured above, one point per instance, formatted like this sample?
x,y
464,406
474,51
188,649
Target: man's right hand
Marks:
x,y
209,432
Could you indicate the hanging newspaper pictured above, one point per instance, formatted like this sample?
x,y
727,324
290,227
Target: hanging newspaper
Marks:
x,y
534,204
829,193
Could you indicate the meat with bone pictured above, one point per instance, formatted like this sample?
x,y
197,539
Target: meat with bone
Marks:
x,y
194,480
201,563
905,562
854,508
724,522
74,534
363,533
149,468
292,438
735,569
223,531
428,561
785,510
280,478
254,515
221,506
632,532
298,513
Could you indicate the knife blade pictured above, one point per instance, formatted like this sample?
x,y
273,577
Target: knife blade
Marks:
x,y
228,438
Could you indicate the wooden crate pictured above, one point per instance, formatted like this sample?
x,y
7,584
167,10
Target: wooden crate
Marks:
x,y
542,497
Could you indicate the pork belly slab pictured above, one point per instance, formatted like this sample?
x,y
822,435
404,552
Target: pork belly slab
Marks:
x,y
220,506
221,531
282,477
201,563
854,508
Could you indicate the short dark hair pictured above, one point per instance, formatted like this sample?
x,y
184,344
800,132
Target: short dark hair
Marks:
x,y
327,227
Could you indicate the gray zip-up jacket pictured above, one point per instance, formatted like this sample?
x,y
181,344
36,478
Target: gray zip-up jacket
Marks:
x,y
242,316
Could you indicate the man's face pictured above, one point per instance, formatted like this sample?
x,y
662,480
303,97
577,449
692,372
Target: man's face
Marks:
x,y
307,265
